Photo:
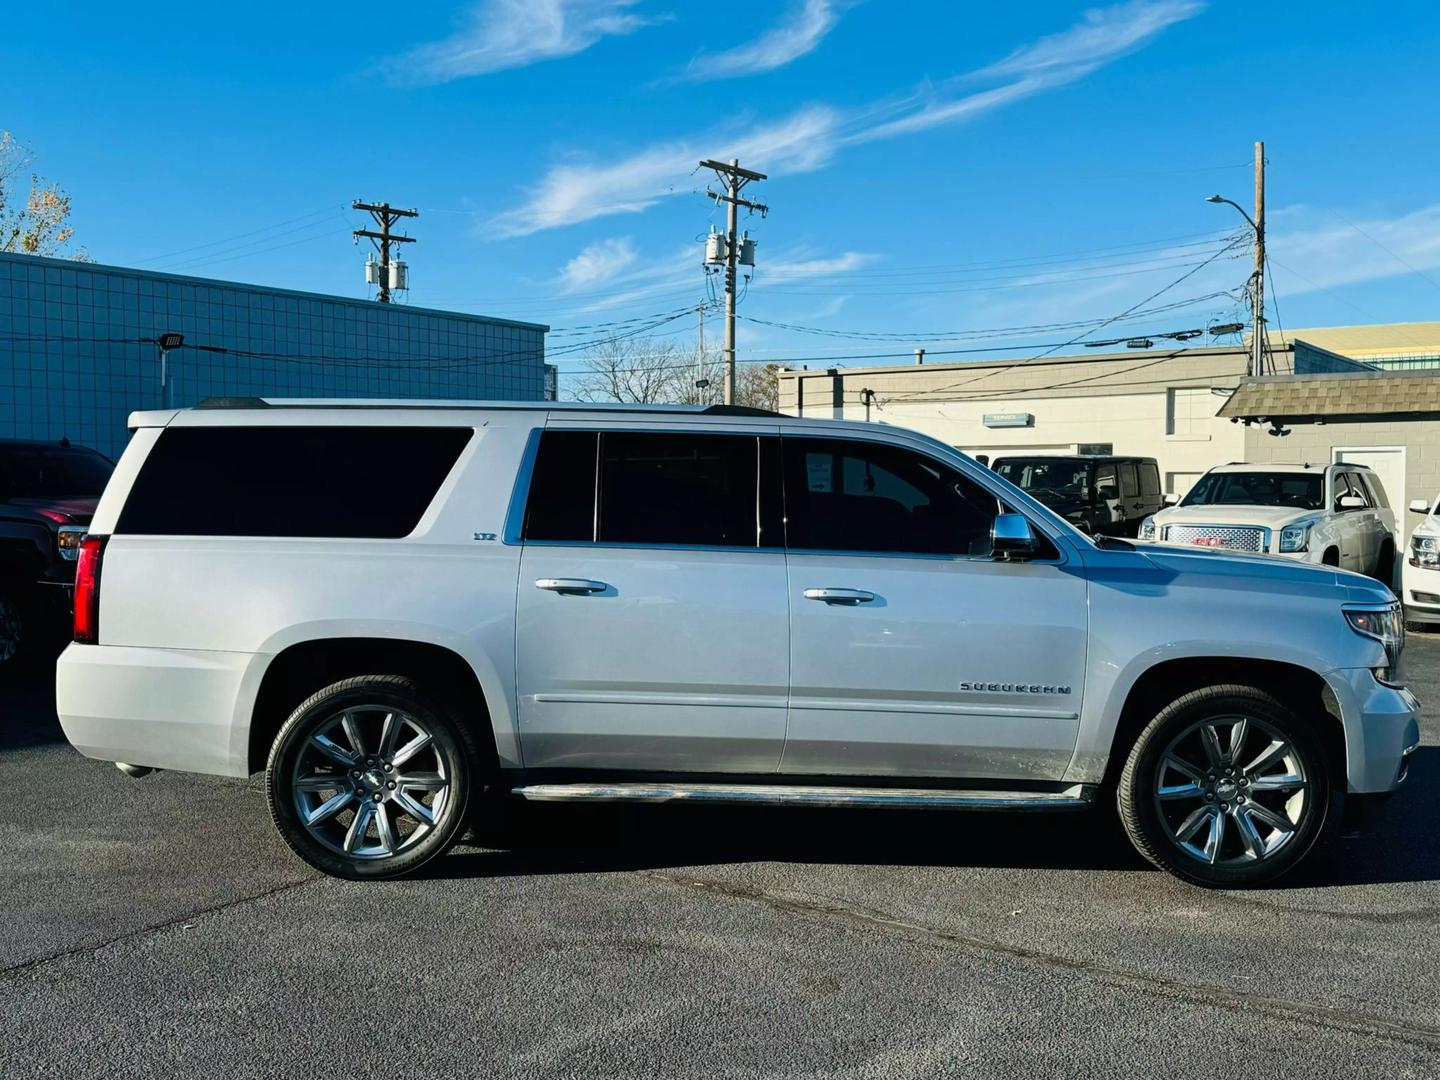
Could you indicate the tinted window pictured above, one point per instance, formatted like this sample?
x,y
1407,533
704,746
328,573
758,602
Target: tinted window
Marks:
x,y
1349,484
290,481
1304,491
1046,476
1149,479
1105,484
561,504
1129,486
34,472
844,495
678,488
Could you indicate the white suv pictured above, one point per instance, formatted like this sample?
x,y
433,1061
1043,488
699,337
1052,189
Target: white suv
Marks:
x,y
1420,575
1337,515
394,608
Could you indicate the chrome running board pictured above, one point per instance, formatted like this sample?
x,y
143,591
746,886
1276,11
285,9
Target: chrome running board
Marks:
x,y
1076,797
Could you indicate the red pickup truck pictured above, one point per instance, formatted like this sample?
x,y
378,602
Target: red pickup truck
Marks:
x,y
48,492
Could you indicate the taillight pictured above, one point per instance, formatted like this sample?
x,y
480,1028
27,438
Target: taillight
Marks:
x,y
87,590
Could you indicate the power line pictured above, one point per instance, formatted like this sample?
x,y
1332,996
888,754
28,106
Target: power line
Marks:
x,y
386,274
1128,311
238,236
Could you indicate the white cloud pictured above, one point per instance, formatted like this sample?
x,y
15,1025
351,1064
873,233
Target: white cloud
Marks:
x,y
597,263
807,26
820,267
1347,250
501,34
810,137
573,193
1102,35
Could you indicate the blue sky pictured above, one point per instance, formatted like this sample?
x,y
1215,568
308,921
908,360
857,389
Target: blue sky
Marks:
x,y
937,169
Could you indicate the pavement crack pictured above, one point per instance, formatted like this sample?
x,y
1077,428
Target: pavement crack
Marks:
x,y
35,963
1350,1021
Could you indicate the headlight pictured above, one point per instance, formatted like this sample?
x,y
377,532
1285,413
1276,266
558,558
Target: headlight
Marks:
x,y
1147,529
67,539
1386,625
1295,537
1425,552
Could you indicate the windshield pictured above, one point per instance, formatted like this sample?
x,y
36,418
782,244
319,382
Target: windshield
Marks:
x,y
39,472
1056,475
1303,491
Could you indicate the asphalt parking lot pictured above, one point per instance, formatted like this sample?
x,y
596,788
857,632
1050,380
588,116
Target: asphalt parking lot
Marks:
x,y
160,928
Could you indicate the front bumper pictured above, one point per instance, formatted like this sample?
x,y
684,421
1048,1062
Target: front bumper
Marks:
x,y
1382,729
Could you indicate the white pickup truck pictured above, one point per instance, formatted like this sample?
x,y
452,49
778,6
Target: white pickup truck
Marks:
x,y
394,609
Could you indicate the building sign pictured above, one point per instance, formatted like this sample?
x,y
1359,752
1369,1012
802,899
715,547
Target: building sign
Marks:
x,y
1009,419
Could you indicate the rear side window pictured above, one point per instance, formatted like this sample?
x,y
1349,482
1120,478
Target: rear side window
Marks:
x,y
1128,486
561,503
1149,479
678,488
371,482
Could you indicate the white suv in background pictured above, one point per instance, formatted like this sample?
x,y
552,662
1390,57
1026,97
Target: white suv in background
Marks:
x,y
403,611
1336,515
1420,576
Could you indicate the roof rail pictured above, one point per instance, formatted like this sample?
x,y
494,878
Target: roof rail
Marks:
x,y
738,410
233,403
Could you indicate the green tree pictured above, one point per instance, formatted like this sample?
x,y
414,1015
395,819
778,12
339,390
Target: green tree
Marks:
x,y
39,222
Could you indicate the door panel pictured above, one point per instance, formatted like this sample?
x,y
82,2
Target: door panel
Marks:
x,y
678,663
912,653
957,668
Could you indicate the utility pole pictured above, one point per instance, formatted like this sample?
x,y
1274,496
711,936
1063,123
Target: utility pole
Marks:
x,y
1257,294
734,178
702,382
386,217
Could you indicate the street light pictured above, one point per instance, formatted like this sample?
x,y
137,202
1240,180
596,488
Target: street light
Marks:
x,y
1257,280
1236,205
167,341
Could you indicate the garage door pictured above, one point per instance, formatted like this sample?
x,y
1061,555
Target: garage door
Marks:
x,y
1388,463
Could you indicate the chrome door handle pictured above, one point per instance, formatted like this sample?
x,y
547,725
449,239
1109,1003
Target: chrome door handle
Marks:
x,y
572,586
840,596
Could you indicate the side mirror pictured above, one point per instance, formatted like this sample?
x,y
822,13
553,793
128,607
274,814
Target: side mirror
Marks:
x,y
1350,502
1419,506
1012,538
1171,499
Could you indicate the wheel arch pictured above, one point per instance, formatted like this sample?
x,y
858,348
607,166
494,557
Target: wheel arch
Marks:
x,y
303,667
1294,685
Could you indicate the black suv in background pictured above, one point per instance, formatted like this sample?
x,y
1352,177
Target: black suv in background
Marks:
x,y
1103,495
48,492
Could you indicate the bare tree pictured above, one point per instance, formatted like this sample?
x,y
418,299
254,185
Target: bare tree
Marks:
x,y
38,224
642,371
636,371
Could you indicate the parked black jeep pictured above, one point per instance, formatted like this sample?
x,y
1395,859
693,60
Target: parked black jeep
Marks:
x,y
1103,495
48,493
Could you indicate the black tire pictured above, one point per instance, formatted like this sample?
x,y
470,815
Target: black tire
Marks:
x,y
295,758
1384,571
17,627
1154,826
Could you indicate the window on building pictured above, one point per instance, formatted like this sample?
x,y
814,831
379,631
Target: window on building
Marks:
x,y
846,495
1189,410
678,488
1180,483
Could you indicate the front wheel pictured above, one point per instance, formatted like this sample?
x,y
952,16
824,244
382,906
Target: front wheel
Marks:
x,y
370,779
1226,788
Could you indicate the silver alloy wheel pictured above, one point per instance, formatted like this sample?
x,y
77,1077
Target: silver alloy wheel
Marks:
x,y
10,629
1231,790
370,782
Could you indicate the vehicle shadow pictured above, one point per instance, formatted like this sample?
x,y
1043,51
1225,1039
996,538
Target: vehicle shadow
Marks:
x,y
528,839
27,706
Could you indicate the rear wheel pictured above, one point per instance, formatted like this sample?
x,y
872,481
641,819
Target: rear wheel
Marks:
x,y
369,778
1226,788
15,627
